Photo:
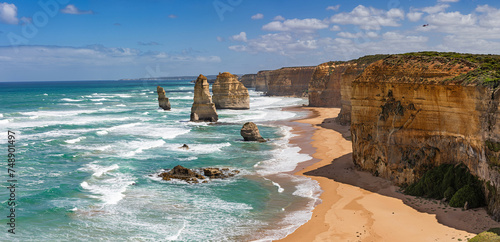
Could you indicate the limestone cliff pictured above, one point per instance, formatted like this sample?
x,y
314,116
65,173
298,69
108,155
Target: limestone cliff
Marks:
x,y
203,109
229,93
287,81
248,80
416,111
162,98
330,85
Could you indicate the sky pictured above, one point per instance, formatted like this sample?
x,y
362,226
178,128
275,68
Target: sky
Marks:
x,y
56,40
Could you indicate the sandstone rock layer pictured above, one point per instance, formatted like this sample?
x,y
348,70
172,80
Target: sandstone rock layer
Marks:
x,y
162,98
250,132
248,80
203,109
287,81
229,93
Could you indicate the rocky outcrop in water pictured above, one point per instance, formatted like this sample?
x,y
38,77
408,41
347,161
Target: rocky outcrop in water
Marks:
x,y
412,112
250,132
203,109
287,81
162,98
248,80
195,175
229,93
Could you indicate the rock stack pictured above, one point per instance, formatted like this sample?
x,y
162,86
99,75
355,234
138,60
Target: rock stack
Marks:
x,y
162,99
229,93
250,132
203,109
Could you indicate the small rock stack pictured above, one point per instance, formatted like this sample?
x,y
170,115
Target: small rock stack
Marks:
x,y
162,98
250,132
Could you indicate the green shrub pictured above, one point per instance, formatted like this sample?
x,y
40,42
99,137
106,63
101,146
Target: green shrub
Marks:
x,y
468,194
448,194
485,236
445,181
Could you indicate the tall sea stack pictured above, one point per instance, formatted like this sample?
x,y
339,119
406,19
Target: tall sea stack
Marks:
x,y
203,109
229,93
162,98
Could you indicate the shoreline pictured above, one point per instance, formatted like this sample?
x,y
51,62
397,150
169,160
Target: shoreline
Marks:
x,y
356,206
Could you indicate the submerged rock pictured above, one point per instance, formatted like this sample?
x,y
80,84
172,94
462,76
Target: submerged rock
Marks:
x,y
184,146
203,109
229,93
250,132
162,98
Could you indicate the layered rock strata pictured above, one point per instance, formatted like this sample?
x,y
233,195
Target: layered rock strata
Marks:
x,y
229,93
162,98
195,175
250,132
287,81
410,113
203,109
248,80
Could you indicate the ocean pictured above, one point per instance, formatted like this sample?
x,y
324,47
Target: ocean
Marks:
x,y
88,155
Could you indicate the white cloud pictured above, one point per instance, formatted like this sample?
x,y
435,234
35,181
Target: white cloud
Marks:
x,y
448,1
435,9
281,43
240,37
350,35
488,16
370,18
257,16
8,13
72,9
334,8
414,16
308,25
279,18
220,39
335,28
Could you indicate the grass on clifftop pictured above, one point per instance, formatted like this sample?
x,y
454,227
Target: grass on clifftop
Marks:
x,y
487,73
453,182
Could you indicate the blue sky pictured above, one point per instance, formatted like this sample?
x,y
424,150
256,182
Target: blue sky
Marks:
x,y
104,40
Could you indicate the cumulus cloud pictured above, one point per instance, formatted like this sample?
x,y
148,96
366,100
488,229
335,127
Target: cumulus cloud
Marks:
x,y
334,8
257,16
435,9
335,28
369,18
414,16
72,9
448,1
281,43
240,37
308,25
279,18
8,13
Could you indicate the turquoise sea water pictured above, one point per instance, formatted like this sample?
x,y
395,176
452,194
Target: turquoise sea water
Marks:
x,y
88,155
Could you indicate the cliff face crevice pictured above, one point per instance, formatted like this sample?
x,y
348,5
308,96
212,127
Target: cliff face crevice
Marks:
x,y
249,80
408,114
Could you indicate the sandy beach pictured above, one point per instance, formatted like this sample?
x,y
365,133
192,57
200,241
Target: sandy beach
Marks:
x,y
357,206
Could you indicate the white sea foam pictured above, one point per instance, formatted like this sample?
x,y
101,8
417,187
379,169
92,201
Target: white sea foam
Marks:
x,y
199,148
72,141
98,99
121,105
280,189
137,147
70,100
102,132
1,115
64,113
4,121
45,94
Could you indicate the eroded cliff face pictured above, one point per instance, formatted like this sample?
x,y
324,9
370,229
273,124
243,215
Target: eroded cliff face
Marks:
x,y
229,93
287,81
409,115
248,80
